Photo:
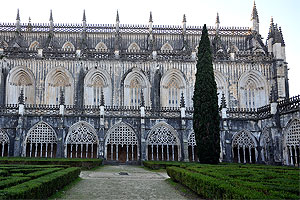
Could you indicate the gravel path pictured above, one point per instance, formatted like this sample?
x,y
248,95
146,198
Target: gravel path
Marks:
x,y
122,182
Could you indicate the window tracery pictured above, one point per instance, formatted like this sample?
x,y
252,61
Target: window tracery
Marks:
x,y
135,92
101,47
293,142
34,45
68,46
192,151
122,144
82,141
174,93
4,143
41,141
162,144
243,148
166,47
133,47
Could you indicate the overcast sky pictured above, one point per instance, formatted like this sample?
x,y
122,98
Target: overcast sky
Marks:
x,y
169,12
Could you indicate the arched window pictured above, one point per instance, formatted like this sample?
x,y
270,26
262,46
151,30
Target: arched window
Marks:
x,y
4,143
57,80
253,90
82,141
20,78
221,86
166,47
122,144
41,141
68,46
163,143
34,45
134,84
192,150
243,148
172,85
135,92
134,47
292,142
101,47
95,82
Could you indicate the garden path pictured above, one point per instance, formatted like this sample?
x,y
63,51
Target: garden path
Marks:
x,y
123,182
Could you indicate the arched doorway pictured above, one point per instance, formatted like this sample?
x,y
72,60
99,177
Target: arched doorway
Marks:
x,y
82,141
4,143
243,148
163,143
41,141
121,144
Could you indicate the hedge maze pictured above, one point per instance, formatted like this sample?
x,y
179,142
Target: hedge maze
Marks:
x,y
34,181
234,181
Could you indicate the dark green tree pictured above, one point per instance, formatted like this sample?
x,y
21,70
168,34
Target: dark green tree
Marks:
x,y
206,113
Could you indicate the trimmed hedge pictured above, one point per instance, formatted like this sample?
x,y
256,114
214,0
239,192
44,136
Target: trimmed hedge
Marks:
x,y
165,164
41,187
72,162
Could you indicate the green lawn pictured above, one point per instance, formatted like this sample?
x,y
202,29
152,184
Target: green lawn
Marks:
x,y
235,181
34,181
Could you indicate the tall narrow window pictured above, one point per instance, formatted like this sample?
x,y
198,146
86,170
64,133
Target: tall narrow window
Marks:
x,y
250,91
135,92
174,93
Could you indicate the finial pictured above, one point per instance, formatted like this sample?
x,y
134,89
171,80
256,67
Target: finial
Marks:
x,y
184,18
18,15
102,98
254,15
223,101
142,99
62,97
29,20
150,17
117,18
84,17
51,17
21,97
218,19
182,101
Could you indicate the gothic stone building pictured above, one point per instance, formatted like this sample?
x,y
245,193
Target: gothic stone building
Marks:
x,y
124,92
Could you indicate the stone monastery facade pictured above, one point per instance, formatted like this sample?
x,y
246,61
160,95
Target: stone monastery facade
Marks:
x,y
124,92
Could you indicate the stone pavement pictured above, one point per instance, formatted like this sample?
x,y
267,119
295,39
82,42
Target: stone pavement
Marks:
x,y
123,182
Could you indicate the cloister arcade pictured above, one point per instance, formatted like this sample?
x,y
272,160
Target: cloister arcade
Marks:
x,y
4,143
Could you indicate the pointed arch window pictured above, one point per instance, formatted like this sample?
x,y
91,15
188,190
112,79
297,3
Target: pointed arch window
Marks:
x,y
243,148
134,47
166,47
173,93
250,92
4,143
101,47
34,45
135,92
68,46
97,89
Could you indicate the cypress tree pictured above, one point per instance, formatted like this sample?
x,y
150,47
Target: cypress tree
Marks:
x,y
206,113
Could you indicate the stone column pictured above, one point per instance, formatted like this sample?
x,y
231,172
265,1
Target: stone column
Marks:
x,y
143,132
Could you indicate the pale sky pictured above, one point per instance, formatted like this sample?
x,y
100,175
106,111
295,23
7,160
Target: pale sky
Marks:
x,y
169,12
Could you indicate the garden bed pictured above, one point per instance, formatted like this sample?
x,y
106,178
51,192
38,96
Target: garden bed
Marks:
x,y
235,181
34,181
72,162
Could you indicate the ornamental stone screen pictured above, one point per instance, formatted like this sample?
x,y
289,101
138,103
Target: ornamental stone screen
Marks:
x,y
122,144
4,143
243,148
41,141
163,144
82,141
292,143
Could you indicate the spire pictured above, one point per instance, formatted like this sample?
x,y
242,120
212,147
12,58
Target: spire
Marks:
x,y
255,19
182,101
217,23
184,18
18,15
223,101
142,99
271,29
117,18
218,19
62,97
51,28
150,17
21,97
51,17
29,26
281,37
84,17
18,22
102,98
